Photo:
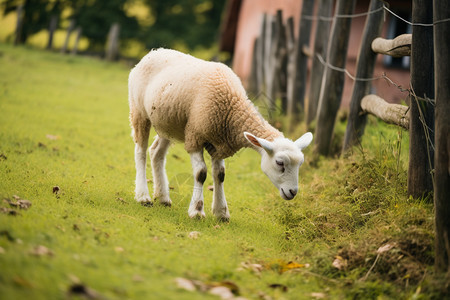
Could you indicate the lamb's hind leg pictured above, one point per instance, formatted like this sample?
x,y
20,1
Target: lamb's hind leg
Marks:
x,y
158,152
199,170
141,130
219,205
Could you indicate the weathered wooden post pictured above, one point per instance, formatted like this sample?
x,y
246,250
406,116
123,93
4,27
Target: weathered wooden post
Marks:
x,y
19,25
333,80
421,128
320,47
365,66
69,32
112,44
296,84
442,154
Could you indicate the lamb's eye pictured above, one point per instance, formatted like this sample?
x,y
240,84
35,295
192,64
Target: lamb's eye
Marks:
x,y
281,164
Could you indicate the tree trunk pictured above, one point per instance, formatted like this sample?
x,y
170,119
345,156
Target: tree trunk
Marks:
x,y
19,25
51,31
365,66
421,127
112,45
297,83
442,155
320,47
69,32
333,81
77,40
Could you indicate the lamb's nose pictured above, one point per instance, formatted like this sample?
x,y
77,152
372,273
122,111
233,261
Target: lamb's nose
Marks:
x,y
293,192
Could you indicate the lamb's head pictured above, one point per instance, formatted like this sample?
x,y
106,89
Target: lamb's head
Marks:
x,y
280,161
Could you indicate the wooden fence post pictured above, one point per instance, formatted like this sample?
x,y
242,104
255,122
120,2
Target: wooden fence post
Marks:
x,y
69,32
112,44
297,81
333,80
421,129
442,154
365,66
320,47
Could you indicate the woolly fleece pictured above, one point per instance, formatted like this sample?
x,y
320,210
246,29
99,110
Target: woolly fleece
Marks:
x,y
200,103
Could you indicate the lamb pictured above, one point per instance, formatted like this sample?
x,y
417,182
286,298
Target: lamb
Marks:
x,y
204,105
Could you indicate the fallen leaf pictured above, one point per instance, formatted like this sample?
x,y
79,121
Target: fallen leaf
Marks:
x,y
222,291
339,263
16,197
56,189
8,211
2,250
255,268
138,278
279,286
318,295
385,248
82,290
210,188
52,137
185,284
24,204
41,251
194,235
293,265
119,249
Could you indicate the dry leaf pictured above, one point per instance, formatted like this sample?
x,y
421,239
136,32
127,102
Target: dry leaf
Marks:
x,y
185,284
222,291
119,249
194,235
2,250
339,263
282,287
318,295
52,137
24,204
385,248
293,265
82,290
41,251
210,188
256,268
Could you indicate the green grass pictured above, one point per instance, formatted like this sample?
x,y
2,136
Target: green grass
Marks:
x,y
64,122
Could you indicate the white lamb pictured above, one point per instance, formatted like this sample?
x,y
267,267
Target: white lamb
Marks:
x,y
204,105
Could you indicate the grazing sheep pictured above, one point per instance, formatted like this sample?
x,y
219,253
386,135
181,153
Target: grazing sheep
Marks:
x,y
204,105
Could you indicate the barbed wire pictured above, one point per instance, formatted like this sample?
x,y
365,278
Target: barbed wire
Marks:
x,y
384,7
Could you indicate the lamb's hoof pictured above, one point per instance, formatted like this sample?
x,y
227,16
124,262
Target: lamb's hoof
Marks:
x,y
164,200
144,199
222,215
197,214
147,204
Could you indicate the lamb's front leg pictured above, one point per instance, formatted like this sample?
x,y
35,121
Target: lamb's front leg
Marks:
x,y
199,170
219,205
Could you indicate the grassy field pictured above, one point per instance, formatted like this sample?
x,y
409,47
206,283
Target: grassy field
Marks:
x,y
65,146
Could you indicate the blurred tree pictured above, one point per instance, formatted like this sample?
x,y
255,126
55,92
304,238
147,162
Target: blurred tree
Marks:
x,y
36,15
96,18
190,22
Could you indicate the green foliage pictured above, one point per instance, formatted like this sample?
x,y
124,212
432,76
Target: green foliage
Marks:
x,y
193,23
64,122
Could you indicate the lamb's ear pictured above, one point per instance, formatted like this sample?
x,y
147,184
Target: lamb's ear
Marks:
x,y
258,142
304,140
